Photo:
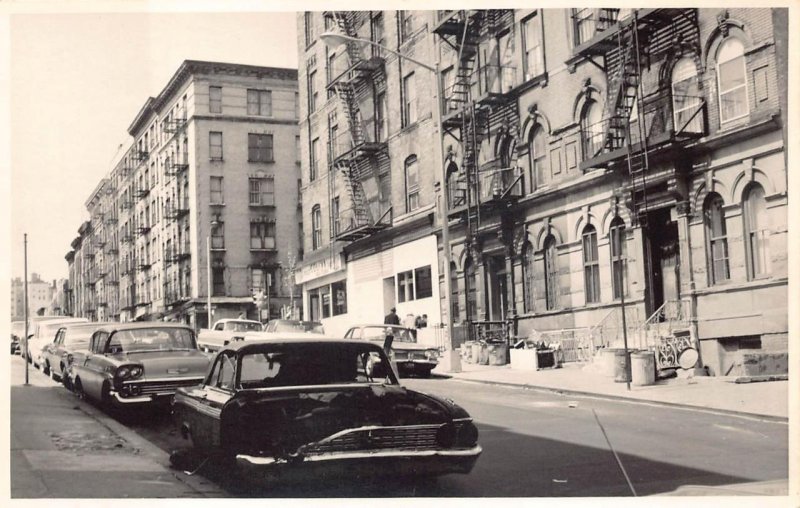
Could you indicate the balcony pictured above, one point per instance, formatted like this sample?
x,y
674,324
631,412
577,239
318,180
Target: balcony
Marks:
x,y
176,167
670,121
177,295
127,238
495,186
594,30
142,193
489,85
177,210
139,155
175,123
126,204
143,229
360,141
350,70
144,265
354,224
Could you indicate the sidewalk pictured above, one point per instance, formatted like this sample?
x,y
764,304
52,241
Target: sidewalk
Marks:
x,y
766,399
62,447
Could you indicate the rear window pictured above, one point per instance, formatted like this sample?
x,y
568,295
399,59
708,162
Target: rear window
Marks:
x,y
151,339
240,326
381,332
297,326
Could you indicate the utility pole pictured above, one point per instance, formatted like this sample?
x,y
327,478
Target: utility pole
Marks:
x,y
27,353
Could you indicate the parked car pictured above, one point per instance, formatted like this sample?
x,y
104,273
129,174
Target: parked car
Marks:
x,y
137,363
70,337
316,408
42,333
410,357
294,326
225,331
17,332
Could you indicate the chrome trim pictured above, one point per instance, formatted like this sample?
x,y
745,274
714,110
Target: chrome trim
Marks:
x,y
268,461
199,379
131,400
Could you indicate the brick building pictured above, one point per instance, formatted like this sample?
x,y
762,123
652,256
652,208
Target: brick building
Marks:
x,y
209,185
638,154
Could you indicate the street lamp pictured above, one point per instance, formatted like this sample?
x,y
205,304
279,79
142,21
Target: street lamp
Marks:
x,y
214,224
333,39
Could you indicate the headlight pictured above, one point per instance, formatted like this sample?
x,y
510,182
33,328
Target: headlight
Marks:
x,y
468,434
123,372
432,354
136,371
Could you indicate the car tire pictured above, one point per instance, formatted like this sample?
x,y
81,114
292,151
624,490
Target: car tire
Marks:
x,y
46,370
65,380
78,389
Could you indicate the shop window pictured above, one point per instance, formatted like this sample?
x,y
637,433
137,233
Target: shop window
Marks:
x,y
339,290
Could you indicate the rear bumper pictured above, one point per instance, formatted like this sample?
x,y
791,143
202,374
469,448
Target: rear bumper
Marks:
x,y
365,463
417,365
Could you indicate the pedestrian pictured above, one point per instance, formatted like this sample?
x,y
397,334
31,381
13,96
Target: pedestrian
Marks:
x,y
391,318
421,321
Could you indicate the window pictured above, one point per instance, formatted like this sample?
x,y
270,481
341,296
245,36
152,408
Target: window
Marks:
x,y
686,98
259,102
339,290
409,100
471,288
218,235
325,301
406,22
310,27
218,276
422,277
335,214
584,20
381,126
619,276
262,235
297,148
532,44
258,280
313,305
316,227
527,277
412,184
215,145
591,130
378,34
754,212
262,192
716,239
550,273
591,265
454,307
297,105
539,173
405,286
259,148
312,91
313,159
215,99
731,80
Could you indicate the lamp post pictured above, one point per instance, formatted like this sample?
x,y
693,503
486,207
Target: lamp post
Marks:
x,y
332,39
208,271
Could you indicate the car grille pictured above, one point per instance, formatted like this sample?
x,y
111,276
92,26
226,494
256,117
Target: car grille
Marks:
x,y
418,437
155,387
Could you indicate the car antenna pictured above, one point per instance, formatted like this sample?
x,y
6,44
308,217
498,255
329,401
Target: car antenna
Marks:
x,y
619,462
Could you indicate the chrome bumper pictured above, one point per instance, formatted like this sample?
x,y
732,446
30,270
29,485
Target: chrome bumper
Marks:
x,y
371,463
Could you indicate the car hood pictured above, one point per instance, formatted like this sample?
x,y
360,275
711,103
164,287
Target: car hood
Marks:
x,y
164,364
405,346
279,422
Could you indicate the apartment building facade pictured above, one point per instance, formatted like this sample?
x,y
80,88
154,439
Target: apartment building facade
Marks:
x,y
205,198
594,156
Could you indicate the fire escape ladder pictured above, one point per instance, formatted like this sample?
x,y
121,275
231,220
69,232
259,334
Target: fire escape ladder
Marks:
x,y
624,90
347,96
357,197
345,23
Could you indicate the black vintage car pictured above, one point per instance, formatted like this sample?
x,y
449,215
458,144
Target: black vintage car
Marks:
x,y
286,409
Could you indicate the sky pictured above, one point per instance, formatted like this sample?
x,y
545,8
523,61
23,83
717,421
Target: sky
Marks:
x,y
78,79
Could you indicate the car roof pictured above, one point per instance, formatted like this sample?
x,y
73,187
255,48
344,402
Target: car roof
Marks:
x,y
139,325
251,346
373,325
81,326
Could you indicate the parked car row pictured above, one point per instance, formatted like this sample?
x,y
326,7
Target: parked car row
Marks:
x,y
274,407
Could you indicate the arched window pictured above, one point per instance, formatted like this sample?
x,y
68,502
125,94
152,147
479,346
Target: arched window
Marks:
x,y
591,129
591,265
550,273
316,227
619,276
731,80
527,277
412,183
454,308
686,97
754,213
539,172
470,288
716,239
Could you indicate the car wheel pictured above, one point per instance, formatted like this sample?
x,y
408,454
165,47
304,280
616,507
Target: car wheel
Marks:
x,y
65,380
46,369
79,389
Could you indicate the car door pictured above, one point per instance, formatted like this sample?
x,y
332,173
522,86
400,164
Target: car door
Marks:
x,y
50,351
92,372
208,399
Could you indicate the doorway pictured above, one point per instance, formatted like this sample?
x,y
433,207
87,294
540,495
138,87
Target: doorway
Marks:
x,y
663,268
496,288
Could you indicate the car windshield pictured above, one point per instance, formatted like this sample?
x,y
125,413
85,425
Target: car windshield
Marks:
x,y
242,326
151,339
284,325
77,340
381,332
282,365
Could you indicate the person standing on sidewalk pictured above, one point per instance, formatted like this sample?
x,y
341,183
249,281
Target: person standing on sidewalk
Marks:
x,y
391,318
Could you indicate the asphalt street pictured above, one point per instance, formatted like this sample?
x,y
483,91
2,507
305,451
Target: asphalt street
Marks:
x,y
543,444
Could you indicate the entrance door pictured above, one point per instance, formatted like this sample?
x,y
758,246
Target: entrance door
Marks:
x,y
664,264
496,287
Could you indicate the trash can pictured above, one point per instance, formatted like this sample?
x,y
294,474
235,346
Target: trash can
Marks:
x,y
466,351
475,354
620,372
497,353
483,354
607,361
643,368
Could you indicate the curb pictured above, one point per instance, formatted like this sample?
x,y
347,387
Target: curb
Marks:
x,y
622,398
201,486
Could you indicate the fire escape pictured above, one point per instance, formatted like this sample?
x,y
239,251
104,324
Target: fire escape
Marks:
x,y
360,152
479,102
